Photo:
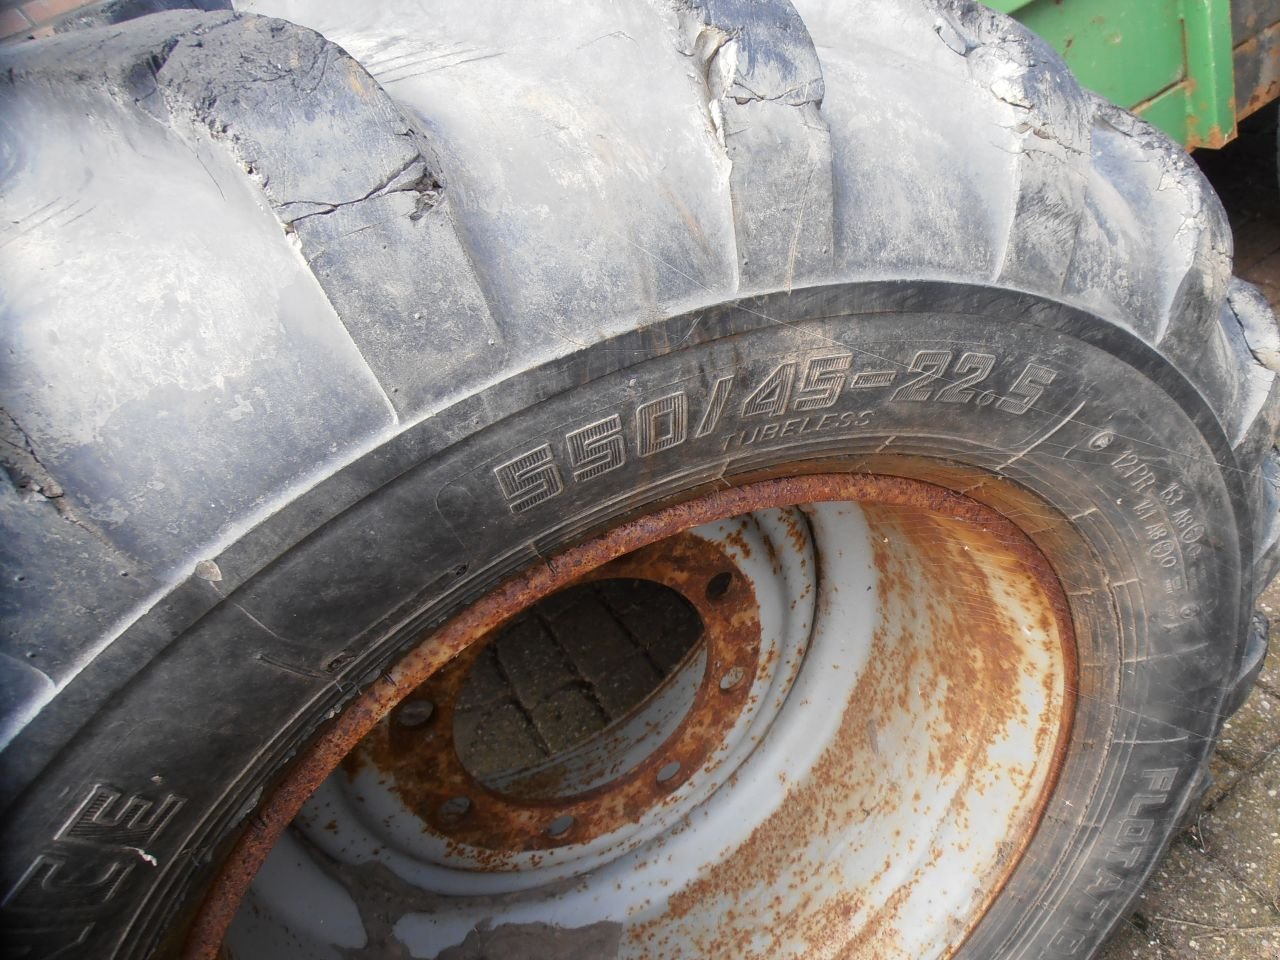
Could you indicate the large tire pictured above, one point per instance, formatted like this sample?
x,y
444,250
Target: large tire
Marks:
x,y
304,354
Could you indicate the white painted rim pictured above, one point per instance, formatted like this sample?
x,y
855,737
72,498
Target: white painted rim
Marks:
x,y
832,812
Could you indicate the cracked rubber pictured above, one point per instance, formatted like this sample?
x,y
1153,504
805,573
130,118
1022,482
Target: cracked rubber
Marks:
x,y
302,325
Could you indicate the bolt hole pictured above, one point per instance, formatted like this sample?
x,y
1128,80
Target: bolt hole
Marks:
x,y
668,771
560,825
732,677
718,585
415,713
455,808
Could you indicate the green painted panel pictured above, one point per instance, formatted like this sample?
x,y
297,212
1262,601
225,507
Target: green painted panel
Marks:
x,y
1008,6
1127,50
1168,111
1211,110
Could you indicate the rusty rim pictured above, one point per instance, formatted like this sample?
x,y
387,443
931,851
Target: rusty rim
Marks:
x,y
582,795
862,748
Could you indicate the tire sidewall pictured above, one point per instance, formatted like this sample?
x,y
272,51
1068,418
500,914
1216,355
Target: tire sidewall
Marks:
x,y
992,393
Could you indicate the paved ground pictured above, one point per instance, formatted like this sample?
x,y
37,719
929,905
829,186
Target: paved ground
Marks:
x,y
1217,894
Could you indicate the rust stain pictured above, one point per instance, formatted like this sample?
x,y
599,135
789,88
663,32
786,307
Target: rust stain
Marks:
x,y
1260,96
424,769
760,860
967,668
1263,49
1214,138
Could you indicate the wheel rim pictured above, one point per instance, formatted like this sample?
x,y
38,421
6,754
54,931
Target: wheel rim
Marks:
x,y
853,756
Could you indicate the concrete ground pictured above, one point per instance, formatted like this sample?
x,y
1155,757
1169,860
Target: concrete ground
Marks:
x,y
1217,893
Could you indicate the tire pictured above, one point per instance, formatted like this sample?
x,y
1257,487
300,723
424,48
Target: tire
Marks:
x,y
310,362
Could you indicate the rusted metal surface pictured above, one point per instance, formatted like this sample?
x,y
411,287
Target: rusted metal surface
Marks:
x,y
1257,69
960,690
423,765
956,692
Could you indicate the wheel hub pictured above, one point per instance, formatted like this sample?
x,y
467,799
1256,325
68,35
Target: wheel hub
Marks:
x,y
593,800
853,754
